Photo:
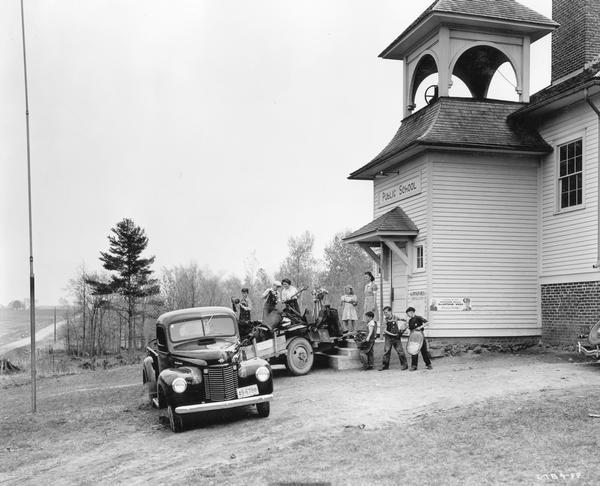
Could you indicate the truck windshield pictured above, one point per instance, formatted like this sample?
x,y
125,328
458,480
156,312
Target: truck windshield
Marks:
x,y
202,327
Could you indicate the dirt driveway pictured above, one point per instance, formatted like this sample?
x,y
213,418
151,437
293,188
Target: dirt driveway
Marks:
x,y
96,427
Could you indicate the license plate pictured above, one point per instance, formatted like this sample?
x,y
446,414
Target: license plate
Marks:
x,y
247,391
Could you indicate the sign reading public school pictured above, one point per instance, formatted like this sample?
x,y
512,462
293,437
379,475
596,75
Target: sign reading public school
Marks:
x,y
402,190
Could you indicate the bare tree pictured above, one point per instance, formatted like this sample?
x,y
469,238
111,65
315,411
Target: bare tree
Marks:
x,y
300,266
344,265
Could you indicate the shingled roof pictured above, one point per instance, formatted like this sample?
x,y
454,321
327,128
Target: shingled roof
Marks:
x,y
589,77
465,123
499,10
393,222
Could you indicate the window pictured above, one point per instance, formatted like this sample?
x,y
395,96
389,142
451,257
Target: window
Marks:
x,y
161,340
420,256
213,325
570,179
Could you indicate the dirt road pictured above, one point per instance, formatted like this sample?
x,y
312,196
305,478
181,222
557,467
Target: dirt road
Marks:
x,y
96,428
41,335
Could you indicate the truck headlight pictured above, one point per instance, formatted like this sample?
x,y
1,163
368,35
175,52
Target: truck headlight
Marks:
x,y
179,385
262,373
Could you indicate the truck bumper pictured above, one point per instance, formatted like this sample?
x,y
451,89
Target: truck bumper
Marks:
x,y
239,402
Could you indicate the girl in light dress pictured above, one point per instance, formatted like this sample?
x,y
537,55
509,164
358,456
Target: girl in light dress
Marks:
x,y
370,300
348,307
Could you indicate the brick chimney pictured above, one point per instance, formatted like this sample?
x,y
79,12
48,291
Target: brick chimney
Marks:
x,y
577,40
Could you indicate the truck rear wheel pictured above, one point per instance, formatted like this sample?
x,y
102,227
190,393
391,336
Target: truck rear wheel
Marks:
x,y
300,357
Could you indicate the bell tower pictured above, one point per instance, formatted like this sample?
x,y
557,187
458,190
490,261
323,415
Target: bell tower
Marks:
x,y
468,40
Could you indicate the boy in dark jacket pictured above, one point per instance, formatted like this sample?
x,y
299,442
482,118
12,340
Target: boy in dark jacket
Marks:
x,y
415,324
366,349
392,332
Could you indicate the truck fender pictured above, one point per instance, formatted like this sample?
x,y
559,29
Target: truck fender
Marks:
x,y
149,370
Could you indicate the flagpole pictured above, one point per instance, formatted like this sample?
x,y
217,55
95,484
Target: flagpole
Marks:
x,y
31,274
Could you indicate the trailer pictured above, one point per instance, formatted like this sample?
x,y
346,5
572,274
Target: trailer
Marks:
x,y
294,340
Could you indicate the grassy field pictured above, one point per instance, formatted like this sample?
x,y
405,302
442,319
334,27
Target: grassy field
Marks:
x,y
14,324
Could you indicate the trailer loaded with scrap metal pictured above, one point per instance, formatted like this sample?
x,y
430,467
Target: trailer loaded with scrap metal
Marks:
x,y
289,338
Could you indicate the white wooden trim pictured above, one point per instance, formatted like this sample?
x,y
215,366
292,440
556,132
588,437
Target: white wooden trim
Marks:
x,y
431,233
392,245
483,332
374,256
592,276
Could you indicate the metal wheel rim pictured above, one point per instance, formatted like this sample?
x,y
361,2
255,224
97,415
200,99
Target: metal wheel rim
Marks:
x,y
300,355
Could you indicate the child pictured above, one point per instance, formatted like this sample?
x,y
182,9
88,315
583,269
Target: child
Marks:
x,y
272,298
366,351
392,333
245,306
319,300
415,324
348,307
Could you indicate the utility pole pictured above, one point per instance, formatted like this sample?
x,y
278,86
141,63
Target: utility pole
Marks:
x,y
31,274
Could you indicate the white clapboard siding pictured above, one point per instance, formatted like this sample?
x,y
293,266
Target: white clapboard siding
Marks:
x,y
484,245
416,209
569,239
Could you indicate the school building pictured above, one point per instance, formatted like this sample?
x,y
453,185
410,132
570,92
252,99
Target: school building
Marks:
x,y
486,211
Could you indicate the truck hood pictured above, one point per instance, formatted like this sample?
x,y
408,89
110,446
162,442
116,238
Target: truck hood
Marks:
x,y
213,353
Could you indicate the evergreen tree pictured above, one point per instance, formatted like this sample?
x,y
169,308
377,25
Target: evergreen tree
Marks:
x,y
132,277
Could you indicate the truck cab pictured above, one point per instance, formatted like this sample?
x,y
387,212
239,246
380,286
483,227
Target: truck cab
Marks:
x,y
195,365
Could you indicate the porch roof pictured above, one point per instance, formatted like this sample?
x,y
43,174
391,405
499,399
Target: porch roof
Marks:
x,y
394,223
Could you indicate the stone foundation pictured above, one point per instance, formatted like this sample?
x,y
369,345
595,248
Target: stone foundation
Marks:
x,y
568,310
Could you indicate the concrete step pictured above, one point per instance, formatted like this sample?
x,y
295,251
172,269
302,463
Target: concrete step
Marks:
x,y
348,357
350,352
339,361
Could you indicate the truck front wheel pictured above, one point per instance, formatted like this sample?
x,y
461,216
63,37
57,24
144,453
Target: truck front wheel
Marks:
x,y
175,420
299,358
263,409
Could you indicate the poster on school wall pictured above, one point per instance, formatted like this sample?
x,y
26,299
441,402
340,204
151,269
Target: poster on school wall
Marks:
x,y
450,304
418,300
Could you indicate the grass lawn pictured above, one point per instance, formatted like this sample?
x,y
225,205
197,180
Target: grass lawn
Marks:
x,y
548,439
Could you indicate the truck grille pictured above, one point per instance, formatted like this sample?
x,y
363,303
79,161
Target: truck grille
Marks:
x,y
220,383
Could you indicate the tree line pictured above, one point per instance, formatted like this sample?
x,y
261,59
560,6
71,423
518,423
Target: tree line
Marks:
x,y
115,309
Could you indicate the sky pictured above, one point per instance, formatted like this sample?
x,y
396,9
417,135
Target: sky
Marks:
x,y
221,127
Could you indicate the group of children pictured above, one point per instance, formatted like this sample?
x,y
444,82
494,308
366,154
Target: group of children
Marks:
x,y
394,328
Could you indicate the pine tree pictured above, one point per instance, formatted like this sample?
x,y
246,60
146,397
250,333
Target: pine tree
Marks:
x,y
132,277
